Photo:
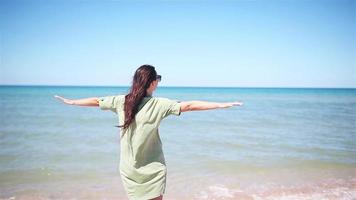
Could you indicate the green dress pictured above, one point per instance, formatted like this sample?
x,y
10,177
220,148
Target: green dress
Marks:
x,y
142,164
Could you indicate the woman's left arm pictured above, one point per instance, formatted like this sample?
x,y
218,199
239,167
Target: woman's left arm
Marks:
x,y
92,101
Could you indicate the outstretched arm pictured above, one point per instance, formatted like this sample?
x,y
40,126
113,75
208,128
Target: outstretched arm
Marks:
x,y
204,105
92,101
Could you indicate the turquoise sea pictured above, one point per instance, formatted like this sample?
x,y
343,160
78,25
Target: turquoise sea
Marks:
x,y
283,143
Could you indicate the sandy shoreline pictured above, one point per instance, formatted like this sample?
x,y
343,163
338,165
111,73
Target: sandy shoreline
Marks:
x,y
328,189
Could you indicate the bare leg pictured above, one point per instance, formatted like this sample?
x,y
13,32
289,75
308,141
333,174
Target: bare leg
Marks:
x,y
158,198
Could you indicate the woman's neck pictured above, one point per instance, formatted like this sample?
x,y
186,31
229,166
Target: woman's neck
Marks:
x,y
148,94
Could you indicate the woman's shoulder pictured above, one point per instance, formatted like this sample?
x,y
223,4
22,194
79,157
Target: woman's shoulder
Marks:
x,y
159,99
121,96
165,100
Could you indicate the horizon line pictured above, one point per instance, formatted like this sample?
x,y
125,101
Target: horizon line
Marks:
x,y
175,86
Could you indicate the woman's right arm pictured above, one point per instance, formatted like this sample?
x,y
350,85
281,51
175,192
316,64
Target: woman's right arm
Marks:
x,y
204,105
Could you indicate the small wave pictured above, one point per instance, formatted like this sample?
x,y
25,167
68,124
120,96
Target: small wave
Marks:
x,y
216,192
336,189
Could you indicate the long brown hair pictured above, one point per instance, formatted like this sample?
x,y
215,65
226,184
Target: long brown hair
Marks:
x,y
142,80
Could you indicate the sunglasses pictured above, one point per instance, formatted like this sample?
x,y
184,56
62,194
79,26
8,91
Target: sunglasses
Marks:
x,y
159,78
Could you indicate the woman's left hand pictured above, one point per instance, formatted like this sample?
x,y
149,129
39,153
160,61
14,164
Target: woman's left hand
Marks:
x,y
64,100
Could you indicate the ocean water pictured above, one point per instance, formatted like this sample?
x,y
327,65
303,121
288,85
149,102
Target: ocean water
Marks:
x,y
281,144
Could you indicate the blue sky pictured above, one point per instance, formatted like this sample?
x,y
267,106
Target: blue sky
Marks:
x,y
191,43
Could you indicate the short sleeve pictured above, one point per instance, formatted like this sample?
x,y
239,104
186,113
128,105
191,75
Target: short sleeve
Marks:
x,y
169,107
110,102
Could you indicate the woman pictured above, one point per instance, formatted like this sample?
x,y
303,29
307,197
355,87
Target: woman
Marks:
x,y
142,163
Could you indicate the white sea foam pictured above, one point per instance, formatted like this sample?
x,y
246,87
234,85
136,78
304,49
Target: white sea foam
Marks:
x,y
216,192
330,189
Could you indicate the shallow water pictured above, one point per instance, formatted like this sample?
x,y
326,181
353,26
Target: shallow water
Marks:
x,y
281,144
